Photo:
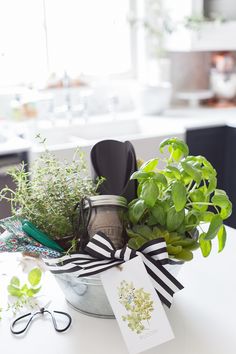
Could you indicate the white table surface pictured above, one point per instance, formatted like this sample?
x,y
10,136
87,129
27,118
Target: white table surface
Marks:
x,y
203,316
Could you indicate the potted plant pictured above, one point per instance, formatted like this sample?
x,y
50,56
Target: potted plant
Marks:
x,y
46,195
175,201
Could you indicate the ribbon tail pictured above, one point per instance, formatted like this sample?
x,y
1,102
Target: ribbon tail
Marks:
x,y
163,281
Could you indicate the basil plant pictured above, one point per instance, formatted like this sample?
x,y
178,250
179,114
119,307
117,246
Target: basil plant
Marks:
x,y
176,201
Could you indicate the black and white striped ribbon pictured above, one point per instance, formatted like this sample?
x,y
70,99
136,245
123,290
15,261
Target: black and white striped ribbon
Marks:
x,y
101,255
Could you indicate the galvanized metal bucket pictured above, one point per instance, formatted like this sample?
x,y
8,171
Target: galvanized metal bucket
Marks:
x,y
87,294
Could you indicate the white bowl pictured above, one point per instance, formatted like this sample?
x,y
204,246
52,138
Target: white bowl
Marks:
x,y
154,99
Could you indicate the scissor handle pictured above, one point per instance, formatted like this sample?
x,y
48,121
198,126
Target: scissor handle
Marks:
x,y
27,324
55,322
42,311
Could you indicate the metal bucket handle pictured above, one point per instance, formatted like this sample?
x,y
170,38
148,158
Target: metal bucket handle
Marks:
x,y
82,222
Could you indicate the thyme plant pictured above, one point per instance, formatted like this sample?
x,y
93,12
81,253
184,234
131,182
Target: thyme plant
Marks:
x,y
48,193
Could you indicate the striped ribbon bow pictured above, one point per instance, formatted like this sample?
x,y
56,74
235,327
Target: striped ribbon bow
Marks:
x,y
101,255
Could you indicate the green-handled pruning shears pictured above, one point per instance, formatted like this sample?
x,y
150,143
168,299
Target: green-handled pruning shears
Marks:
x,y
39,236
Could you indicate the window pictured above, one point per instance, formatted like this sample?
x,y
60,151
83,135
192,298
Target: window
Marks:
x,y
77,36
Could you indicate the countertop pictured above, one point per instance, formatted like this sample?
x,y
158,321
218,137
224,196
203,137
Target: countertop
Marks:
x,y
173,121
202,316
190,118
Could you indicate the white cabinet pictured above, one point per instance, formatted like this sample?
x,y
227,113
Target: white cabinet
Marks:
x,y
209,36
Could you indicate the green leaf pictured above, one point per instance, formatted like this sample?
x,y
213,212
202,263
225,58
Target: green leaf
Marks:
x,y
144,231
34,276
184,255
212,184
172,172
14,291
197,196
159,214
206,216
131,233
160,178
15,282
179,195
214,227
185,242
136,242
221,238
205,245
149,192
151,221
174,218
192,218
175,143
221,199
192,171
208,166
192,247
136,211
142,175
149,165
173,250
24,289
31,292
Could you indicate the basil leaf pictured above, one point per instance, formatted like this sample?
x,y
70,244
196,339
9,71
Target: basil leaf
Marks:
x,y
172,172
191,171
150,165
175,143
142,175
198,196
179,195
174,218
31,292
214,227
205,245
149,192
14,291
221,199
160,178
212,184
136,211
34,276
221,238
206,216
159,214
15,281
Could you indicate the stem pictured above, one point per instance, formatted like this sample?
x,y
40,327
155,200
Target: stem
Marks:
x,y
203,203
194,187
189,186
199,203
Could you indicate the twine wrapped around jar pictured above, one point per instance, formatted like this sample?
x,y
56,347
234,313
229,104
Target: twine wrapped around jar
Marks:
x,y
106,213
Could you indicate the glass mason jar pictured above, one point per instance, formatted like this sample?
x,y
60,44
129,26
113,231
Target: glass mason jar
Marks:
x,y
106,214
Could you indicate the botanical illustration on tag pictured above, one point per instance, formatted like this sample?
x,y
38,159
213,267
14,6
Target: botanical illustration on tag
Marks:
x,y
138,305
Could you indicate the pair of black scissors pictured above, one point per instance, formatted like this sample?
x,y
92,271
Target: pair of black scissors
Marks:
x,y
16,323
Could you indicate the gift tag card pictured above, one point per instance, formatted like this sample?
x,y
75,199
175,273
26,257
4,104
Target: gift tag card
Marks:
x,y
136,305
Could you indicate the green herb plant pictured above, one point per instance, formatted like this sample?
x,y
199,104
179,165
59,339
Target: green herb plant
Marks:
x,y
137,303
24,293
48,193
174,202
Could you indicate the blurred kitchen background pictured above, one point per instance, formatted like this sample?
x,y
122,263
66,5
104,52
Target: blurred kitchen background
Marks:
x,y
141,70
